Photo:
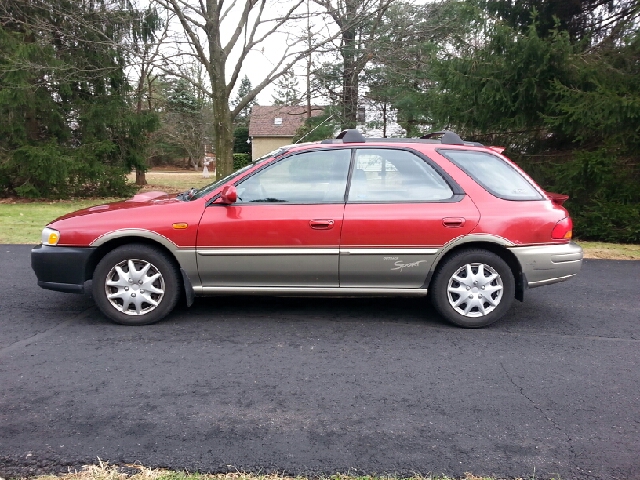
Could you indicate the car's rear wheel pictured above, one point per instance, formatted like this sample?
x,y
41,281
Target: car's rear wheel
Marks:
x,y
473,288
136,284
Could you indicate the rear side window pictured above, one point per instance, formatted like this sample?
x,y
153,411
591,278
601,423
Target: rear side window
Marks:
x,y
387,175
494,174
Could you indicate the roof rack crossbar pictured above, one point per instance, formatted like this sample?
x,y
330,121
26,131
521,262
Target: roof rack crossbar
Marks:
x,y
448,137
350,135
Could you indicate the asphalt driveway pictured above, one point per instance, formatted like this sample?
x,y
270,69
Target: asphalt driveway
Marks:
x,y
319,386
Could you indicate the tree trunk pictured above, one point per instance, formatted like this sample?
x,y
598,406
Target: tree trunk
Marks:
x,y
141,174
223,123
223,132
308,95
350,72
349,94
141,178
224,148
384,120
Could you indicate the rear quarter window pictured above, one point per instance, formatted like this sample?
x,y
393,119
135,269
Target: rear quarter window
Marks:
x,y
494,174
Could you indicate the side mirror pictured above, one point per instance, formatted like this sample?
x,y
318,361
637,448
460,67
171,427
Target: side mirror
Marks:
x,y
229,195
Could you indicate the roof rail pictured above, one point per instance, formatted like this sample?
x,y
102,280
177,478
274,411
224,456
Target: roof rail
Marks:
x,y
352,135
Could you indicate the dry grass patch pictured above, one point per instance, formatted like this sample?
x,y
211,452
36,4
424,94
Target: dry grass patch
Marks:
x,y
173,182
610,251
105,471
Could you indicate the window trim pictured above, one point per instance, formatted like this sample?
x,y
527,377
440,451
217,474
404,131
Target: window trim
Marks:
x,y
289,155
457,192
541,197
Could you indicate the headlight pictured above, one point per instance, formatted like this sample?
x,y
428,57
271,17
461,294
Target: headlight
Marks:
x,y
50,236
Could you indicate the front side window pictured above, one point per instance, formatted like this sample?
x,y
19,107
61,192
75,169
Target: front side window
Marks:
x,y
386,175
494,174
212,186
308,177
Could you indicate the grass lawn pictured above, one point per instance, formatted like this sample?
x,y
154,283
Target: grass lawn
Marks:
x,y
174,181
23,221
104,471
614,251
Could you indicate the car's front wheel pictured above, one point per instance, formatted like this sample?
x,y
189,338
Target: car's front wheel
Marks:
x,y
136,284
473,288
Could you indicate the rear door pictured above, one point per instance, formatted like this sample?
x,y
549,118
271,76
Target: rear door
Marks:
x,y
401,210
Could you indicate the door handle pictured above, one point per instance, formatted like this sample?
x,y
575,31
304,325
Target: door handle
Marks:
x,y
321,224
453,222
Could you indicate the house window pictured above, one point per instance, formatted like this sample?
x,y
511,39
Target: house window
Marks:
x,y
277,121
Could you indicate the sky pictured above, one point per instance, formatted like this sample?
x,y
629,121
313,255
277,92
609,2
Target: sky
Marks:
x,y
264,56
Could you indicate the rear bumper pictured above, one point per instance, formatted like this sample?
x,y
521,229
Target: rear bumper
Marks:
x,y
63,269
547,264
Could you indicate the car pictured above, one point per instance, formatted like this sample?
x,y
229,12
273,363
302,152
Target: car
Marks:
x,y
435,216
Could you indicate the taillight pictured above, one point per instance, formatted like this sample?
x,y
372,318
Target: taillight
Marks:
x,y
563,229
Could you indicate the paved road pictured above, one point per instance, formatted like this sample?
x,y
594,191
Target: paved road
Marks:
x,y
325,385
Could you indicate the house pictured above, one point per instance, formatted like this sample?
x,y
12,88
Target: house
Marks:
x,y
271,127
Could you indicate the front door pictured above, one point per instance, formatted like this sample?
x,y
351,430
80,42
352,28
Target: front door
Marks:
x,y
284,230
400,212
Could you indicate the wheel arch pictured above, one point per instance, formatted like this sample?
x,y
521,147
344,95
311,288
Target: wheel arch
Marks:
x,y
496,245
109,242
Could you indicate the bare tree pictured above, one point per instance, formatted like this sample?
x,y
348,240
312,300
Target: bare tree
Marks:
x,y
185,119
202,24
359,22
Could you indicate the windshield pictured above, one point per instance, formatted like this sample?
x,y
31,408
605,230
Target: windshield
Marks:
x,y
211,187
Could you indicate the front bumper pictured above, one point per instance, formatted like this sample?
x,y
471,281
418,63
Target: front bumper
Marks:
x,y
546,264
64,269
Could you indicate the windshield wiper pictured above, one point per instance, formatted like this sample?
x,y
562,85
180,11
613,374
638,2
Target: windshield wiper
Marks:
x,y
187,194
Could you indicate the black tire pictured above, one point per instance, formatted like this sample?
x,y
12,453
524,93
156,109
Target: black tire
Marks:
x,y
485,301
161,279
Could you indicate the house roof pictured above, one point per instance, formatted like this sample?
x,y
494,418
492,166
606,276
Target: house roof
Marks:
x,y
263,120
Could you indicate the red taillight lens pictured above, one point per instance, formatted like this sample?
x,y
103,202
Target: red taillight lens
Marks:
x,y
563,229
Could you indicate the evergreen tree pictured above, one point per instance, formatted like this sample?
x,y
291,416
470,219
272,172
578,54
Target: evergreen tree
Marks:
x,y
67,127
243,89
570,116
320,127
583,20
410,38
241,137
287,93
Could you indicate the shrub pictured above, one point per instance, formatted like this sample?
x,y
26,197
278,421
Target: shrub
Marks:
x,y
603,189
240,160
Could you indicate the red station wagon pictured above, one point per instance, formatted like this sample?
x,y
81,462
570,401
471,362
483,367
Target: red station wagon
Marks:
x,y
450,219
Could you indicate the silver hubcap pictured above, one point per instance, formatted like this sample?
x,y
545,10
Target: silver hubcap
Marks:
x,y
475,290
134,287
